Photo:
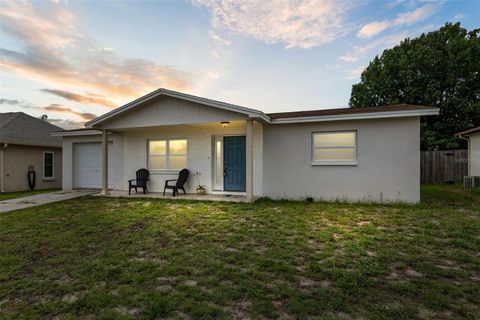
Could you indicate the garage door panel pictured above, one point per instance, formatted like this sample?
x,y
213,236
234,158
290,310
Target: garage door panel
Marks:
x,y
88,165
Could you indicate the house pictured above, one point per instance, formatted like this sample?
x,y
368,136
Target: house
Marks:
x,y
358,154
473,138
26,143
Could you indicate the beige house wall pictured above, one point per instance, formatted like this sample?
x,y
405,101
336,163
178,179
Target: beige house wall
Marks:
x,y
17,159
388,166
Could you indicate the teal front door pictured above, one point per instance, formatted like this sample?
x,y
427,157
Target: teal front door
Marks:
x,y
234,166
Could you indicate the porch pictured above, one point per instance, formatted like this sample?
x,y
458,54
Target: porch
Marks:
x,y
225,159
188,196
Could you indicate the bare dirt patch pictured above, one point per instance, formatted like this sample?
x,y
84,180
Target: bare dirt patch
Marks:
x,y
190,283
71,297
413,273
126,311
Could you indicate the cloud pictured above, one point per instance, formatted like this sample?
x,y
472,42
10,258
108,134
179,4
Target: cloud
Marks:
x,y
69,111
373,28
416,15
9,101
299,23
55,51
407,18
219,39
382,43
215,54
66,124
57,108
85,99
349,58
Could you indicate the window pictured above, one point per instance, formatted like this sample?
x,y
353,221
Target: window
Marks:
x,y
218,163
48,165
167,154
334,148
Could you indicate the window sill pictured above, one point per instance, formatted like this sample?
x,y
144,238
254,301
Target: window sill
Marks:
x,y
334,163
48,179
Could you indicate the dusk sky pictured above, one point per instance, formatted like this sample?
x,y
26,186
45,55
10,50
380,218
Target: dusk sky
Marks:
x,y
75,60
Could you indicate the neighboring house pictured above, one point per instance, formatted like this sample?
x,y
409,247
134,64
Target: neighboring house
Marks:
x,y
473,138
358,154
26,142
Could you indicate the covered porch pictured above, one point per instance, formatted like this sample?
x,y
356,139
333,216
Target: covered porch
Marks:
x,y
224,157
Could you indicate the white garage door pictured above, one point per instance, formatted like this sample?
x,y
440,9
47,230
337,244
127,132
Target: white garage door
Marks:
x,y
88,165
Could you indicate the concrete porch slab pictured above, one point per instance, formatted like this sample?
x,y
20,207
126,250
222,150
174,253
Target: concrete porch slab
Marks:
x,y
40,199
188,196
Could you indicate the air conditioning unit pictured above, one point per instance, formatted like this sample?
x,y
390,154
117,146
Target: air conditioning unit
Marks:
x,y
471,182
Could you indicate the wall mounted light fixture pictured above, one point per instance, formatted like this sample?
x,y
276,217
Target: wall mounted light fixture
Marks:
x,y
224,124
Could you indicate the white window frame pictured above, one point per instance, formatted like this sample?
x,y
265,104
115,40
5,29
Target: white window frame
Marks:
x,y
167,154
53,165
334,162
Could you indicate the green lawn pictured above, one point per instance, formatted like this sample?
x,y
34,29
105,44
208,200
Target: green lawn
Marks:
x,y
122,258
20,194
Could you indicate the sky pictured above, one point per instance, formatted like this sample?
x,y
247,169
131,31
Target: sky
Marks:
x,y
75,60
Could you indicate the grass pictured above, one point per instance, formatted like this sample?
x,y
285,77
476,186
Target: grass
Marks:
x,y
122,258
20,194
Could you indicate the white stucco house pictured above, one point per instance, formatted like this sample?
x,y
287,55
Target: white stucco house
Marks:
x,y
358,154
473,137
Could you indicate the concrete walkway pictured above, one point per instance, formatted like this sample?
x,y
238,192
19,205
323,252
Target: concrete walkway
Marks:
x,y
39,199
181,196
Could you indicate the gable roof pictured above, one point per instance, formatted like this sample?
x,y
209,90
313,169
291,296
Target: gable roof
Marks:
x,y
468,132
399,110
252,113
20,128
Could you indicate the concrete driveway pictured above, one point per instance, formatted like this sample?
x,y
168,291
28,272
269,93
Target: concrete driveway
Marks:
x,y
39,199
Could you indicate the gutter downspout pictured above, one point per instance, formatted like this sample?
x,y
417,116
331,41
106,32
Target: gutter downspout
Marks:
x,y
2,167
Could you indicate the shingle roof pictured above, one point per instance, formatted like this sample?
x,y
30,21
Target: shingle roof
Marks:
x,y
342,111
20,128
468,132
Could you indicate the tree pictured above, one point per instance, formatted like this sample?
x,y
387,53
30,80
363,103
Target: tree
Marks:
x,y
439,69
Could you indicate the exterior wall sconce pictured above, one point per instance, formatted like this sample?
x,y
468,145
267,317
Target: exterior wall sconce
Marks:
x,y
224,124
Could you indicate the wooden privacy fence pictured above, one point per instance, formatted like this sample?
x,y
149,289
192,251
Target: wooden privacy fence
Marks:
x,y
439,167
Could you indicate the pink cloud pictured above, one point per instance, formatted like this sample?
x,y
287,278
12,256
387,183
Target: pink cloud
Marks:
x,y
302,24
56,52
69,111
406,18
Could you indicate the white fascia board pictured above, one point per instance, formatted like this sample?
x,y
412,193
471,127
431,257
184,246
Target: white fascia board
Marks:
x,y
359,116
76,133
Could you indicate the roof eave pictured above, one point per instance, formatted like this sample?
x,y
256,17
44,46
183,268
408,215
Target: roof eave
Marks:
x,y
71,133
360,116
30,144
467,133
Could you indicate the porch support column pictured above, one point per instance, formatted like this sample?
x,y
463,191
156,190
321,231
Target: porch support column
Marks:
x,y
105,162
249,155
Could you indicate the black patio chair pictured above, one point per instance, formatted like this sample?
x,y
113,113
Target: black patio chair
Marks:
x,y
179,183
143,175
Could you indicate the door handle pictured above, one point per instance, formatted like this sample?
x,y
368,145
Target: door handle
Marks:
x,y
224,169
